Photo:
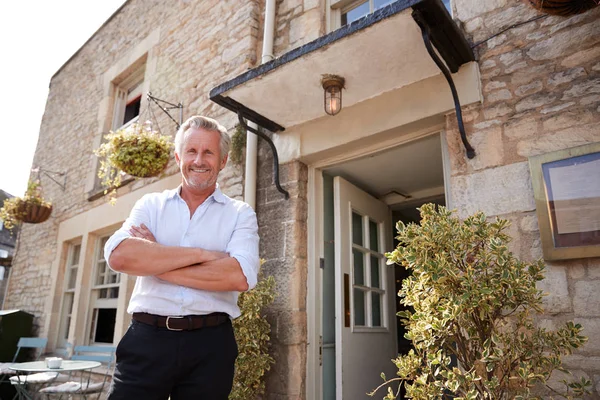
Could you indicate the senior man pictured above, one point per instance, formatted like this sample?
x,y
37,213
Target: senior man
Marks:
x,y
193,250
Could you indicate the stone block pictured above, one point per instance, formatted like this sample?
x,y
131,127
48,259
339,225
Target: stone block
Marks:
x,y
557,108
531,73
488,145
586,101
576,361
506,17
499,95
305,27
568,119
510,58
494,191
594,269
288,378
556,288
585,36
591,329
291,327
487,124
529,223
586,301
565,77
497,111
468,9
487,64
528,89
575,136
308,4
515,67
588,87
534,101
473,25
581,57
521,128
493,85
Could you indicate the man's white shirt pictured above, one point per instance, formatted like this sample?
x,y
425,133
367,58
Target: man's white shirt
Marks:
x,y
218,224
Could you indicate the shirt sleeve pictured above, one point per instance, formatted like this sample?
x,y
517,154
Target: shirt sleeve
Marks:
x,y
243,245
139,215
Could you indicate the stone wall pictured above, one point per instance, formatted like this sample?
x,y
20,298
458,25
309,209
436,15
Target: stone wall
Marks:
x,y
297,22
541,86
283,237
201,44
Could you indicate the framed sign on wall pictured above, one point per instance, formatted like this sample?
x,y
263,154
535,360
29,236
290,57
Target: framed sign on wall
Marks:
x,y
566,186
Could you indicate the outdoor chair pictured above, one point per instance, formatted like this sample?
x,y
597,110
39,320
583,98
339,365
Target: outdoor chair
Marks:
x,y
24,343
83,386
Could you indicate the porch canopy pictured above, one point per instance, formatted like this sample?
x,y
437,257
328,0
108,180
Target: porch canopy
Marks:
x,y
378,53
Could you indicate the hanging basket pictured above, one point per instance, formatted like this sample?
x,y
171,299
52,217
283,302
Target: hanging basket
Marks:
x,y
32,213
137,151
563,8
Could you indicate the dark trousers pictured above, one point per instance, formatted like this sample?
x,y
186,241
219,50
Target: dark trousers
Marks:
x,y
155,363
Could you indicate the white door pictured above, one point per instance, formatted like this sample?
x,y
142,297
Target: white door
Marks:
x,y
364,287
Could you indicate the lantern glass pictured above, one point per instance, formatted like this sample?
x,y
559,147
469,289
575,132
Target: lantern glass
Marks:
x,y
333,100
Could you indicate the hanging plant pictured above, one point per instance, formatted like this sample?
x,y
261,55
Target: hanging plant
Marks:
x,y
136,150
32,208
564,8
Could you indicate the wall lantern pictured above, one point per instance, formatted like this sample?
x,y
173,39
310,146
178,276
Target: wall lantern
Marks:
x,y
332,85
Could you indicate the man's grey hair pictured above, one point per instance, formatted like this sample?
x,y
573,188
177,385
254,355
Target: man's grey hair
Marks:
x,y
200,122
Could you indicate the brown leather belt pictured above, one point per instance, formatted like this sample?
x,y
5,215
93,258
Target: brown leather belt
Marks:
x,y
182,323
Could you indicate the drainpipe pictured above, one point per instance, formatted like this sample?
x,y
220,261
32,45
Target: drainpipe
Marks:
x,y
251,138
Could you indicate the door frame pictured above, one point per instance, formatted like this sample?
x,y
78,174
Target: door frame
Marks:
x,y
314,384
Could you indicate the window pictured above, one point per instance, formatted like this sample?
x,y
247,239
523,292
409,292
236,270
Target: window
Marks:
x,y
105,294
71,268
128,98
345,12
368,269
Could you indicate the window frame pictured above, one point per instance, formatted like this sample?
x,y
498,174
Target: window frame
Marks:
x,y
335,9
66,317
367,287
96,302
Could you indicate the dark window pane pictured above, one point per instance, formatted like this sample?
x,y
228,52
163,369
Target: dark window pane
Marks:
x,y
376,300
359,307
357,229
132,110
105,325
358,12
373,236
375,272
359,267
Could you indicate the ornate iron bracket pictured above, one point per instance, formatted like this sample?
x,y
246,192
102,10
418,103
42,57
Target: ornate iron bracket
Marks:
x,y
169,106
273,149
427,39
51,175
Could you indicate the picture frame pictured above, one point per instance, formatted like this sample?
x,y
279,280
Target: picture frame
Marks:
x,y
566,187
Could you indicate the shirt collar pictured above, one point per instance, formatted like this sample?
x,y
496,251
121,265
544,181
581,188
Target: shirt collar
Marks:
x,y
217,194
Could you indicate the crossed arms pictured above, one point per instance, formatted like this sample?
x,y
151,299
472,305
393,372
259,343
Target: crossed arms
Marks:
x,y
196,268
134,250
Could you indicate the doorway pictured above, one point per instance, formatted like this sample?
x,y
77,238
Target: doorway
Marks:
x,y
362,199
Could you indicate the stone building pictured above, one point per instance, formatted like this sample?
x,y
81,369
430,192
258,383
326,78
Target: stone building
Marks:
x,y
528,85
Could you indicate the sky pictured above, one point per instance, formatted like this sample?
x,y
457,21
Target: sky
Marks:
x,y
36,38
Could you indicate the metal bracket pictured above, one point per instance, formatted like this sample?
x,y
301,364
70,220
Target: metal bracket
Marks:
x,y
417,16
169,106
273,149
51,174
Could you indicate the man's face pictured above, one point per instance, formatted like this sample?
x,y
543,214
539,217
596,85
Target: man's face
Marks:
x,y
200,159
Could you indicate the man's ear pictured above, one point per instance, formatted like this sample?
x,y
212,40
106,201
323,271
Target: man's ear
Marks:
x,y
224,160
177,160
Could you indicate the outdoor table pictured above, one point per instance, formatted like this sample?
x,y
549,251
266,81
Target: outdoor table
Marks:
x,y
40,366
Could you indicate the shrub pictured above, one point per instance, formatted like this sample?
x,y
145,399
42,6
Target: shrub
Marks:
x,y
471,306
252,332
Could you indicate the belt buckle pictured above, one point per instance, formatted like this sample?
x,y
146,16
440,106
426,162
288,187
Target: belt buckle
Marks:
x,y
167,324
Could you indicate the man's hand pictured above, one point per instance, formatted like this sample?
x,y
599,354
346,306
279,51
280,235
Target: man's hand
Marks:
x,y
142,232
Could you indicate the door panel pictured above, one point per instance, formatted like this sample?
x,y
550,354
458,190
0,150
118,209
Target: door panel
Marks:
x,y
364,287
